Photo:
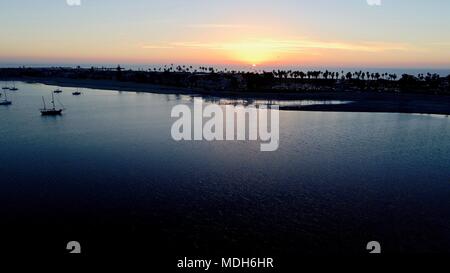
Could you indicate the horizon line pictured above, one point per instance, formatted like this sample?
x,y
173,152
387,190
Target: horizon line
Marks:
x,y
196,65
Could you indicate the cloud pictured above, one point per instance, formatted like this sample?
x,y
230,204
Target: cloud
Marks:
x,y
157,47
217,26
288,46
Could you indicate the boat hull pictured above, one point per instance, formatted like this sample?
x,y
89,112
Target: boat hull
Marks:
x,y
51,112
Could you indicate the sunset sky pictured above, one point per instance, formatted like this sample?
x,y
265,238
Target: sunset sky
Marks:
x,y
332,33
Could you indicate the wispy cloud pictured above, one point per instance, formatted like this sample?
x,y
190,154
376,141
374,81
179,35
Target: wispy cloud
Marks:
x,y
289,46
157,47
216,26
444,44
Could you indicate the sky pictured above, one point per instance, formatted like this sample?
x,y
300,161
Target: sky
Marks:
x,y
319,33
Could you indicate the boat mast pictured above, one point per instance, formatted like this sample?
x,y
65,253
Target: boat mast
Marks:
x,y
53,101
43,100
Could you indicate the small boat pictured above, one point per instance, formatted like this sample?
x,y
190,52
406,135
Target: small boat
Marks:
x,y
5,86
14,88
5,101
76,93
51,111
57,91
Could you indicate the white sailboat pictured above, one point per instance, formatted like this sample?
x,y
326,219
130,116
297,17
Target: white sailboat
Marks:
x,y
5,100
14,88
5,86
76,93
51,111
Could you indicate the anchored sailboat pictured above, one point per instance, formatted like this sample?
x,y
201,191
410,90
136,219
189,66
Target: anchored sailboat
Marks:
x,y
14,88
76,93
50,111
5,86
5,100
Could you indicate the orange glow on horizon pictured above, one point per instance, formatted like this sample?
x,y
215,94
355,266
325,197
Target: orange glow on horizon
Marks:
x,y
231,51
266,52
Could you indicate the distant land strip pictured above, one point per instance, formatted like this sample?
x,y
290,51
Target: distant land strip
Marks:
x,y
366,92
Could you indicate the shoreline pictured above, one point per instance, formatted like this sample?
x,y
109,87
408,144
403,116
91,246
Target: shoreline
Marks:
x,y
372,102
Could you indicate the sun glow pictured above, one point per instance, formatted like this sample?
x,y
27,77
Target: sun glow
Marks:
x,y
269,51
251,53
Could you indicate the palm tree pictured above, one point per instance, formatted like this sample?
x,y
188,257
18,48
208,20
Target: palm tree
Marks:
x,y
302,75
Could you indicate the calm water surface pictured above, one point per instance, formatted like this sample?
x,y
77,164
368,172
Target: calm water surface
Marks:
x,y
109,166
